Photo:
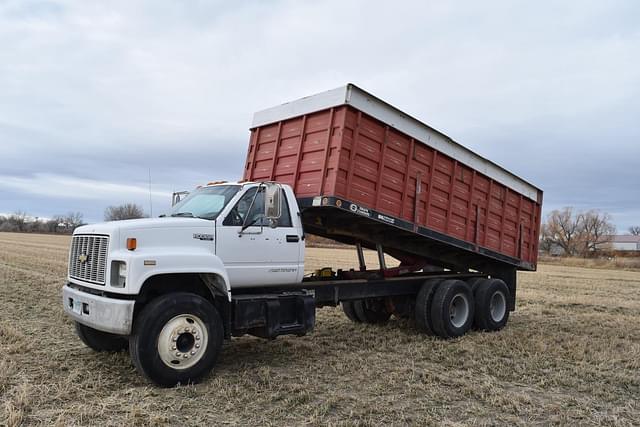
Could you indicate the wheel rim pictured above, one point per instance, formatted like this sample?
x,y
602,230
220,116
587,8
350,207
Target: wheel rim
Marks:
x,y
459,310
182,341
497,306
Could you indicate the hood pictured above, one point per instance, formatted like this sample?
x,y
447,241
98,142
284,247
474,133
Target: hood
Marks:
x,y
153,232
142,223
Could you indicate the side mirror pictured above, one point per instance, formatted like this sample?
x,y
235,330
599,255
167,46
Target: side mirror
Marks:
x,y
272,202
178,196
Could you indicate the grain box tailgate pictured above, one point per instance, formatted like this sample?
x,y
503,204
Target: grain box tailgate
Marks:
x,y
350,146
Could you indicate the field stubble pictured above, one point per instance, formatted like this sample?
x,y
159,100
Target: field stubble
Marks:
x,y
569,355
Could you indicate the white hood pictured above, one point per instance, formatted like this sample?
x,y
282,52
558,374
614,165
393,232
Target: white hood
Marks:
x,y
151,232
143,223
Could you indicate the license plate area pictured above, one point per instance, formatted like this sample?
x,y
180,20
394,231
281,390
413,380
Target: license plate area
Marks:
x,y
79,307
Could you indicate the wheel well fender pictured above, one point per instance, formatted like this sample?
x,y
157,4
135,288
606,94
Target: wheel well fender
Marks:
x,y
210,286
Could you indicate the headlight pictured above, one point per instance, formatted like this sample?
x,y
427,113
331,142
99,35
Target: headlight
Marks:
x,y
118,274
123,269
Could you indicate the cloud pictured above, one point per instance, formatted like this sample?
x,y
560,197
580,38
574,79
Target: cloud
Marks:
x,y
95,94
57,186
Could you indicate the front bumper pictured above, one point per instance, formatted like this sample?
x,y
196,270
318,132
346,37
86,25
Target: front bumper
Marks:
x,y
101,313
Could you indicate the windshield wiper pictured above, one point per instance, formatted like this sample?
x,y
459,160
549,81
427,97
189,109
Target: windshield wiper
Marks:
x,y
182,214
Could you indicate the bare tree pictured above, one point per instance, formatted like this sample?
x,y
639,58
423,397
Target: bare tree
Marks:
x,y
585,233
126,211
18,219
73,220
635,230
596,231
562,229
546,239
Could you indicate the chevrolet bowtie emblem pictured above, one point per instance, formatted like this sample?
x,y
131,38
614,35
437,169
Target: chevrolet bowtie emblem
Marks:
x,y
83,258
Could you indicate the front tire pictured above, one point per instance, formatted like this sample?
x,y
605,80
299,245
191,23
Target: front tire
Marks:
x,y
176,339
100,341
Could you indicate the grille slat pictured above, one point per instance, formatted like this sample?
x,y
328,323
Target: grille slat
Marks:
x,y
95,248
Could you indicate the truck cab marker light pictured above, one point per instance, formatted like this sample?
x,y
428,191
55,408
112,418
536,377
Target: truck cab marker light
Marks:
x,y
132,243
149,262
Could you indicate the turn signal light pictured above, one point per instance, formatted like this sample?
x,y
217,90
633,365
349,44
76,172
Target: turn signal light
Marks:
x,y
132,243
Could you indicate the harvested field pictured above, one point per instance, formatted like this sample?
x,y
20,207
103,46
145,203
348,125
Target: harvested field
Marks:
x,y
569,355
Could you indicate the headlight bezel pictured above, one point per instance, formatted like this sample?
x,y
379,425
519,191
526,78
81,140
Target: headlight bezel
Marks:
x,y
118,274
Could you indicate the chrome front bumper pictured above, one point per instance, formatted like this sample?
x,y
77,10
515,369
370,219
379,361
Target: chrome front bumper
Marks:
x,y
101,313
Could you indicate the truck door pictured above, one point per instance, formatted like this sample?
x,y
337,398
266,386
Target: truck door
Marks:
x,y
260,254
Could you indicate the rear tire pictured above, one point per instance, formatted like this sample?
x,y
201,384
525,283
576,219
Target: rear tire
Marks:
x,y
100,341
176,339
491,305
452,309
474,282
350,311
423,306
371,310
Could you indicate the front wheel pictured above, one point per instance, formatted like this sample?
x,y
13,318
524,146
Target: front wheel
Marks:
x,y
100,341
176,339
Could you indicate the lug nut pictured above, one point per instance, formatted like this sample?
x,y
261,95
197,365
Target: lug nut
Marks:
x,y
174,339
197,345
173,347
193,352
185,355
178,354
197,337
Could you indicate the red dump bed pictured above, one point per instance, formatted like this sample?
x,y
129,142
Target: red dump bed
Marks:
x,y
370,158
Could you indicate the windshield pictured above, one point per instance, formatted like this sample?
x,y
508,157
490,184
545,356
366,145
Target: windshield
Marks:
x,y
205,202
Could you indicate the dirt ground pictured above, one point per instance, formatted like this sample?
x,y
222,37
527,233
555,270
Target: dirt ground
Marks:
x,y
569,355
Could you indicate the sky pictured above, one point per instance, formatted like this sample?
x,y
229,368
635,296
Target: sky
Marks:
x,y
95,96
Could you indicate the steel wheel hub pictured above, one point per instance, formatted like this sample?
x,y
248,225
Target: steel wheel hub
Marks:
x,y
459,310
182,341
497,306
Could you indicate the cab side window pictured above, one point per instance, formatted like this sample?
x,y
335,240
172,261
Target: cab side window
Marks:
x,y
285,216
240,211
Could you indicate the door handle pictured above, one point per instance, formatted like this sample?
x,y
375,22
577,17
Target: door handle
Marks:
x,y
292,238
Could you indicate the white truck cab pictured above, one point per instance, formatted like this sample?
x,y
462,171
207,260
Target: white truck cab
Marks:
x,y
218,239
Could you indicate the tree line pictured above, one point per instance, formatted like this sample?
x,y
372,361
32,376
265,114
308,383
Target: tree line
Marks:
x,y
21,222
578,233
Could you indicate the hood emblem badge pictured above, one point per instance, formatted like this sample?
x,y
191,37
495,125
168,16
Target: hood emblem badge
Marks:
x,y
82,258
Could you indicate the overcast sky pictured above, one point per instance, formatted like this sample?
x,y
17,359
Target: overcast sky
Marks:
x,y
94,94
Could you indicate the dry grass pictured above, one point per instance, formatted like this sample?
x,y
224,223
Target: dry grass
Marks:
x,y
608,263
570,355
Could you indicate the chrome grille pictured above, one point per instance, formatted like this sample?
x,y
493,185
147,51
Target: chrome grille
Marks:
x,y
88,258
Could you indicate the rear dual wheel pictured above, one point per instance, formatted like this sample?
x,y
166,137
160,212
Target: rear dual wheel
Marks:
x,y
491,304
444,308
370,310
